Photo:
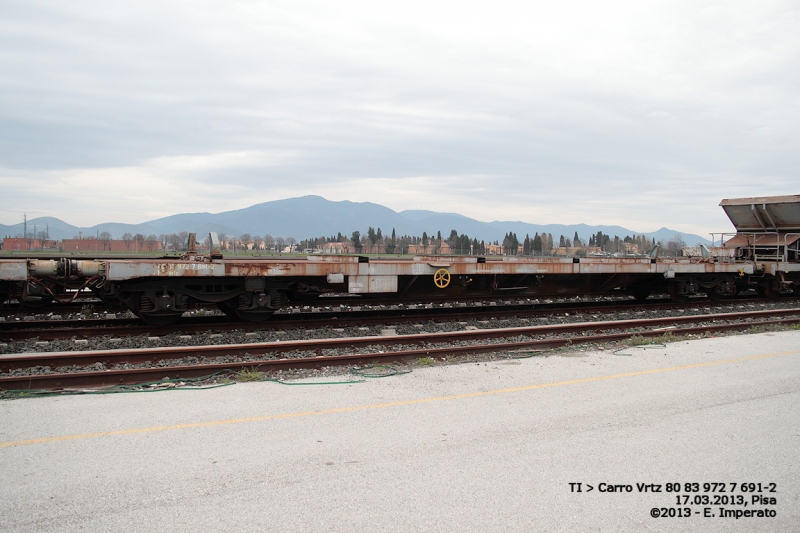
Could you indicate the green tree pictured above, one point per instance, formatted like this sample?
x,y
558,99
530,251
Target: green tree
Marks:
x,y
537,245
464,244
356,238
452,240
510,244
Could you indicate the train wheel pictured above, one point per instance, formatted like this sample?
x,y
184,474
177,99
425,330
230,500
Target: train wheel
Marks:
x,y
768,291
640,293
242,307
156,308
677,296
228,308
714,295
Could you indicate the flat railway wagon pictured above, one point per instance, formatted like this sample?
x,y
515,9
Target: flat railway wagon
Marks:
x,y
159,290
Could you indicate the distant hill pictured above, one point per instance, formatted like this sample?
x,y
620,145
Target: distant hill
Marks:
x,y
314,216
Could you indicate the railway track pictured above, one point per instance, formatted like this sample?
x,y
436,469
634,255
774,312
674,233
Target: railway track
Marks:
x,y
94,306
64,370
48,330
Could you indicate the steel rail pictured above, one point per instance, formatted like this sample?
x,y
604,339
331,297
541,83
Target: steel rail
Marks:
x,y
111,377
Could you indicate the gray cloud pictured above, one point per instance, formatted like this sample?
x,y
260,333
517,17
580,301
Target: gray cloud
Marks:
x,y
639,114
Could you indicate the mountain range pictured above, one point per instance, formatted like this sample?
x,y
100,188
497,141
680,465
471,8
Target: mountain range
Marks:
x,y
313,216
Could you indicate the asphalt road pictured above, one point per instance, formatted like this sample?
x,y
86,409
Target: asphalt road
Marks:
x,y
497,446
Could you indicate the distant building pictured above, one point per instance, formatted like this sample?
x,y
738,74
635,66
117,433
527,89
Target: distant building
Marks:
x,y
12,244
113,245
418,249
18,243
337,248
568,251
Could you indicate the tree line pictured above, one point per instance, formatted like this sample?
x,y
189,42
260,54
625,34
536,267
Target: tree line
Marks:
x,y
374,241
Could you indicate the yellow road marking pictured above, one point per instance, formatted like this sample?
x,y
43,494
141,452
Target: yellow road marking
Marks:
x,y
382,405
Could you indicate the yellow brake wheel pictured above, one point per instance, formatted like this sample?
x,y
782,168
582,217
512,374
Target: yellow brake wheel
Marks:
x,y
441,278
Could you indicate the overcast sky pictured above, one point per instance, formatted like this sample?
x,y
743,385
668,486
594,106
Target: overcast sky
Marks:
x,y
642,114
